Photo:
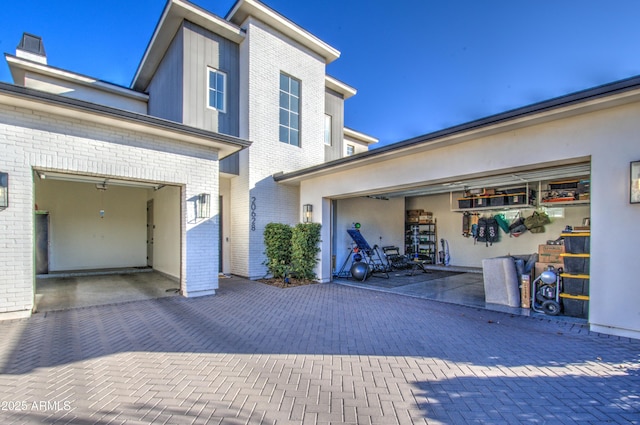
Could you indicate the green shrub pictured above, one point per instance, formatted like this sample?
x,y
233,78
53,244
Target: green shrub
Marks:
x,y
277,241
304,250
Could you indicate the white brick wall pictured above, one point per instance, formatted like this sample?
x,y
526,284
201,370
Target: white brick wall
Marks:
x,y
264,55
31,139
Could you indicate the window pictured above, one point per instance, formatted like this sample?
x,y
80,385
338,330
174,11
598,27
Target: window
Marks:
x,y
289,110
327,129
350,150
217,88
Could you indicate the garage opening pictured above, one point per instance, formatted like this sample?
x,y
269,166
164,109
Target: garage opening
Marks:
x,y
101,240
431,224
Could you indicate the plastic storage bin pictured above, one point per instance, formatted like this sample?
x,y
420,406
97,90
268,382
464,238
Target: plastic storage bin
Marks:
x,y
577,243
576,263
575,305
575,284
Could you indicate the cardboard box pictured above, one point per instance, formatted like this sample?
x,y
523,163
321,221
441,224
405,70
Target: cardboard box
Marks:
x,y
525,291
540,267
550,249
550,258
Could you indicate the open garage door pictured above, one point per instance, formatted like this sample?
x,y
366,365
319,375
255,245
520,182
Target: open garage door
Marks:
x,y
97,245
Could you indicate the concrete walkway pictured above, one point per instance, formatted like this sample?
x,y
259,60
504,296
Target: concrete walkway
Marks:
x,y
319,354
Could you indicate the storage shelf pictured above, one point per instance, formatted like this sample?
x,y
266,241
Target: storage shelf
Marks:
x,y
496,208
565,204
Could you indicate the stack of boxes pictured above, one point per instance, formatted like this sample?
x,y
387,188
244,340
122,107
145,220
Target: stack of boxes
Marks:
x,y
575,279
413,216
549,255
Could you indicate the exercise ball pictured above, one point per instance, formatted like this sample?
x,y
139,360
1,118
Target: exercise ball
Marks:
x,y
360,271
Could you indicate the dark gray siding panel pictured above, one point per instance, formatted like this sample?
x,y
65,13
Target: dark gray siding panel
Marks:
x,y
231,164
334,106
204,49
165,89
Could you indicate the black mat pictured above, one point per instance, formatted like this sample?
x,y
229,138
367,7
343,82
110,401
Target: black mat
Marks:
x,y
398,278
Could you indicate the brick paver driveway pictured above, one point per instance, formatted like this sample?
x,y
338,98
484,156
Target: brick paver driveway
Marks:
x,y
319,354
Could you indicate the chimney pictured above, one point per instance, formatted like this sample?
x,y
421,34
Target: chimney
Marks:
x,y
31,48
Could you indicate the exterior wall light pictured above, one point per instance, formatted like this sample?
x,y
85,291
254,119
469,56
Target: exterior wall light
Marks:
x,y
4,190
307,213
203,205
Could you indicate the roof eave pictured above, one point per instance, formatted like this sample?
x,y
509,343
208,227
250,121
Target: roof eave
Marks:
x,y
361,137
20,66
175,12
597,98
117,118
338,86
242,9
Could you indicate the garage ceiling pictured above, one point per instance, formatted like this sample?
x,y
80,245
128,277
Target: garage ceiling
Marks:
x,y
105,182
531,177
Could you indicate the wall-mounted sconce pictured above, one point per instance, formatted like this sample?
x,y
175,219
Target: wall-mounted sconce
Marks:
x,y
203,205
307,213
4,190
634,184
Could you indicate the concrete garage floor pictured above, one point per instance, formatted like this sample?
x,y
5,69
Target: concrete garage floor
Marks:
x,y
63,291
454,285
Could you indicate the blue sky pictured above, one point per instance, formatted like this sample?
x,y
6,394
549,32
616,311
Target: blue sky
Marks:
x,y
418,65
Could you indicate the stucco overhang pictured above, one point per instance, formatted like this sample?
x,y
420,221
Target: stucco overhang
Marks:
x,y
35,100
174,13
589,100
19,67
245,8
339,87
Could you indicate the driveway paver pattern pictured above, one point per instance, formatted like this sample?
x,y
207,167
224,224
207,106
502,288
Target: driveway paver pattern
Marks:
x,y
318,354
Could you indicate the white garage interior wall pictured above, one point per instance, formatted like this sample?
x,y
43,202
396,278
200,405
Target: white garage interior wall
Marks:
x,y
166,219
465,253
382,224
79,239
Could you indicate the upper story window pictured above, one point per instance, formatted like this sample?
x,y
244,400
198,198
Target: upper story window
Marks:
x,y
289,110
216,98
350,150
327,129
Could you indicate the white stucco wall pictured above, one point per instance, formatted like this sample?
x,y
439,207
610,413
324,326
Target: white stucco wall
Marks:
x,y
609,137
166,233
79,238
264,55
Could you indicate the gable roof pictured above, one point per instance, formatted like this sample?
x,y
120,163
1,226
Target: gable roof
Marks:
x,y
175,12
